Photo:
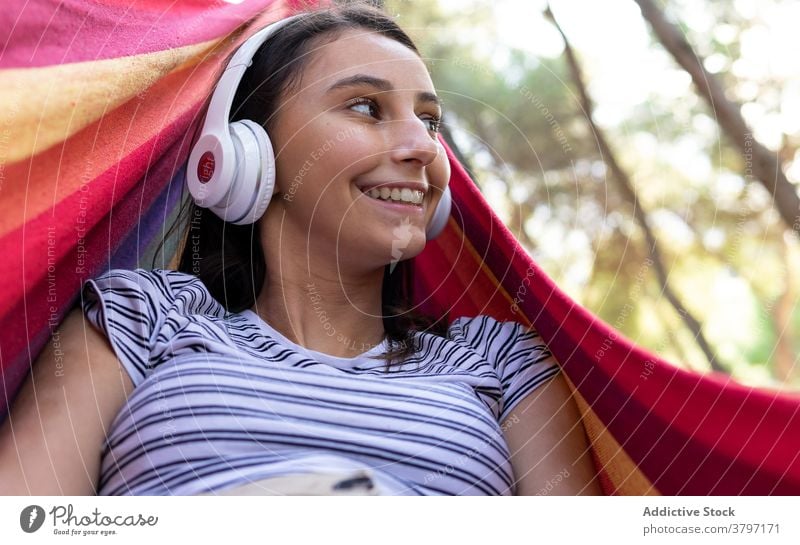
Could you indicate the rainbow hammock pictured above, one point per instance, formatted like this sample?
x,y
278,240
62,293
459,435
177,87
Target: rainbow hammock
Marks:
x,y
99,102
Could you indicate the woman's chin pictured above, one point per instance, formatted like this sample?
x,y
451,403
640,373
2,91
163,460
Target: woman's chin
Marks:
x,y
375,246
400,252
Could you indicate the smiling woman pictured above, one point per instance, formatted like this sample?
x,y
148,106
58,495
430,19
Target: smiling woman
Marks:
x,y
285,344
340,130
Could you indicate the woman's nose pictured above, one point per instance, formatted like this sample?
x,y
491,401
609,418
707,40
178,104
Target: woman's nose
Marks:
x,y
413,142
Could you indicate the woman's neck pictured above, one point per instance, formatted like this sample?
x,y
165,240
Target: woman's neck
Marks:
x,y
332,312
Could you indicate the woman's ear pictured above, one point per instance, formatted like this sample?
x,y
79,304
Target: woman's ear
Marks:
x,y
276,189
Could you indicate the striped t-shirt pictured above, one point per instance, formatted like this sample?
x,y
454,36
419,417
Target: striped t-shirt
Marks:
x,y
223,399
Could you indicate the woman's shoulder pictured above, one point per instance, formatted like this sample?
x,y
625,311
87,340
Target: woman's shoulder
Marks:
x,y
156,281
485,335
162,288
487,328
158,275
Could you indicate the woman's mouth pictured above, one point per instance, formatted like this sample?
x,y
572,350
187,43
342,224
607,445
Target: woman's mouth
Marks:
x,y
405,195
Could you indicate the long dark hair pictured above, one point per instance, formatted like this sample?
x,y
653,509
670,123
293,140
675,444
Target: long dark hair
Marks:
x,y
228,258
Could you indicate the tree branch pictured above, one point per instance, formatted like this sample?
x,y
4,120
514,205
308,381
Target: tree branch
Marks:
x,y
764,164
626,187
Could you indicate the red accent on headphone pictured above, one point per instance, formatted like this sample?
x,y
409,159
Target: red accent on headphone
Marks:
x,y
205,167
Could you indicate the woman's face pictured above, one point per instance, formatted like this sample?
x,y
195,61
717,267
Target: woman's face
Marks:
x,y
364,115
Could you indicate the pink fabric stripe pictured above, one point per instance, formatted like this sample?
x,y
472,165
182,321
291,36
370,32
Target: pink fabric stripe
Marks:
x,y
48,32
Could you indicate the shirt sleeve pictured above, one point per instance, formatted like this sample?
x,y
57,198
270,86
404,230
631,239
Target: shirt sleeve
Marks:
x,y
128,307
519,355
527,365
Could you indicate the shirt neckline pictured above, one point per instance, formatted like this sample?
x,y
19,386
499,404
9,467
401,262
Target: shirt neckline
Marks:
x,y
319,356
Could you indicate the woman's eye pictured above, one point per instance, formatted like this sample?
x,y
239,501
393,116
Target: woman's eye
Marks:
x,y
434,123
364,106
369,107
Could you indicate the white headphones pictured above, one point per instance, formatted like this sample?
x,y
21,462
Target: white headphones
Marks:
x,y
231,168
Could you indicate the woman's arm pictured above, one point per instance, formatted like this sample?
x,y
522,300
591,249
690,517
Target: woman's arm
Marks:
x,y
548,446
50,443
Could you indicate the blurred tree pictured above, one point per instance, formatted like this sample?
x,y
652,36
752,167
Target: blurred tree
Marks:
x,y
765,165
712,58
627,189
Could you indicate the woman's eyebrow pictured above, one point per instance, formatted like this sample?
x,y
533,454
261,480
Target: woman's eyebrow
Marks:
x,y
380,84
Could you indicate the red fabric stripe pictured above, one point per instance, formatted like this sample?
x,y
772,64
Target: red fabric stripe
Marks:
x,y
674,404
677,462
456,284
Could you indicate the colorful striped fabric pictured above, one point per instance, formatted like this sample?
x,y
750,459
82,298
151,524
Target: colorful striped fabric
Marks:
x,y
99,100
99,103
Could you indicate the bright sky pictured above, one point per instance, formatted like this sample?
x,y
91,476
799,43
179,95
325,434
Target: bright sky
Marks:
x,y
623,71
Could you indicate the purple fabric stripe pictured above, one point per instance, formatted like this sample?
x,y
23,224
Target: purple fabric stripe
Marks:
x,y
142,240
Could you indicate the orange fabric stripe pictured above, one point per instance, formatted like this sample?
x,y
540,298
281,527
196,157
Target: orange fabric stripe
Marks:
x,y
50,176
625,478
46,105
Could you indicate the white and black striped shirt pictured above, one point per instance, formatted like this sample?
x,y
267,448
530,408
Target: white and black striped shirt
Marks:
x,y
223,399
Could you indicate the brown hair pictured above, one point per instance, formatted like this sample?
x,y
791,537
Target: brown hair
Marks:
x,y
228,258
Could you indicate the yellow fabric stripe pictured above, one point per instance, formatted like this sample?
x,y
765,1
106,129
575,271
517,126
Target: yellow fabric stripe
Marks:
x,y
627,478
44,106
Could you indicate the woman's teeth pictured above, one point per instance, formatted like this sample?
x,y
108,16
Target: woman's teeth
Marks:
x,y
410,196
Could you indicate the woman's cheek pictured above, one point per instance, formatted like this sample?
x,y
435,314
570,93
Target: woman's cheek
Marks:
x,y
355,146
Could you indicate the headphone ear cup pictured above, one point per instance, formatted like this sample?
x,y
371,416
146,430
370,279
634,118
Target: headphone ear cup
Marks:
x,y
254,175
266,163
440,215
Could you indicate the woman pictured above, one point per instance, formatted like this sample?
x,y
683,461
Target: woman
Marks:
x,y
286,348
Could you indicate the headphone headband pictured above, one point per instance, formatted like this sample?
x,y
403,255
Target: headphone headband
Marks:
x,y
210,160
219,109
